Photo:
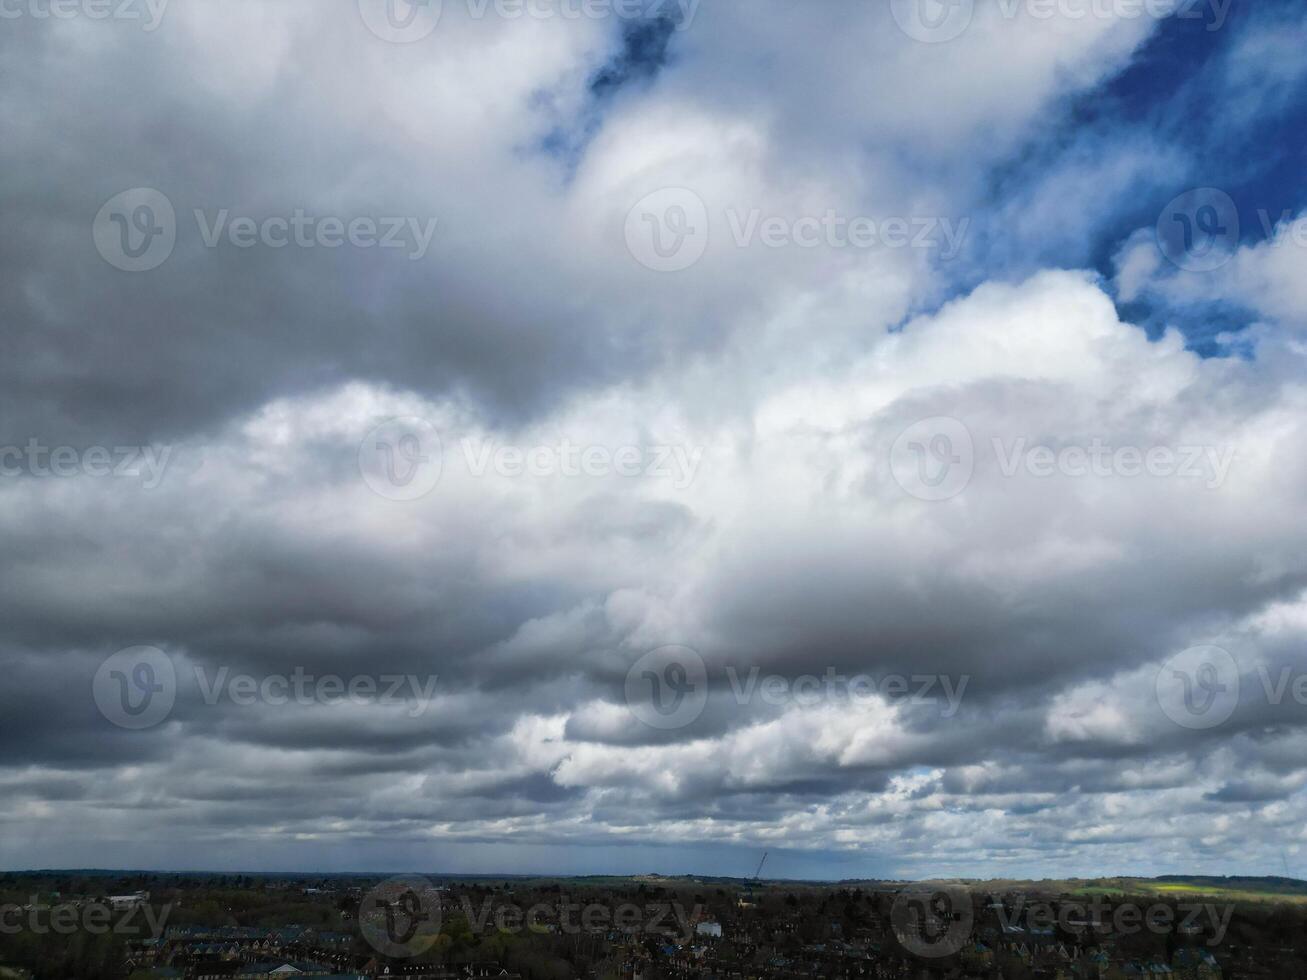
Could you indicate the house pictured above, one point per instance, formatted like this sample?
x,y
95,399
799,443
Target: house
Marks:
x,y
978,955
282,968
1192,963
213,971
1136,970
485,970
123,903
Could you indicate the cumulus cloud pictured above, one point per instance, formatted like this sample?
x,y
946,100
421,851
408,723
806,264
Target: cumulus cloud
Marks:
x,y
934,532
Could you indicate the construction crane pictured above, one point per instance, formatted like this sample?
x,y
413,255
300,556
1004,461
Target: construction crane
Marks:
x,y
748,899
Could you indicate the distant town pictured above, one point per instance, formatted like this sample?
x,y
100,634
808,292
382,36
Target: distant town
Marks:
x,y
141,926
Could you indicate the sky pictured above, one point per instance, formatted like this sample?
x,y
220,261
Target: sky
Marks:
x,y
626,436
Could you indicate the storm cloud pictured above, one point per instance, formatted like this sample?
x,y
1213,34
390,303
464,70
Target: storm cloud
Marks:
x,y
934,526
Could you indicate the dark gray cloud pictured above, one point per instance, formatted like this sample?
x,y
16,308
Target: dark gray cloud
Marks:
x,y
768,521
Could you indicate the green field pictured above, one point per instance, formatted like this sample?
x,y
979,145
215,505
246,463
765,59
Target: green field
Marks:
x,y
1283,890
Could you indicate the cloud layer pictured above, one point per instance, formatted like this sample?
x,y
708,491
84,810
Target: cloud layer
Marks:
x,y
1003,488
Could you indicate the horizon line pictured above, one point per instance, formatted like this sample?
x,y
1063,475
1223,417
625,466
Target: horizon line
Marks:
x,y
631,875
